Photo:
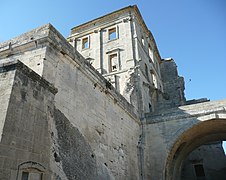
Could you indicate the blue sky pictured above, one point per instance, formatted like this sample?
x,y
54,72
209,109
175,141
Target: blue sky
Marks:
x,y
192,32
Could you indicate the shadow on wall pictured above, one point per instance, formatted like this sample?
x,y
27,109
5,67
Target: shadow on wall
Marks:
x,y
179,131
205,162
203,133
74,152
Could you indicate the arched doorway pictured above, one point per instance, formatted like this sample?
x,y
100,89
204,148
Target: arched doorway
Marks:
x,y
197,135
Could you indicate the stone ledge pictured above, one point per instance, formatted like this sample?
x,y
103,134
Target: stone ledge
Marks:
x,y
17,65
27,37
188,111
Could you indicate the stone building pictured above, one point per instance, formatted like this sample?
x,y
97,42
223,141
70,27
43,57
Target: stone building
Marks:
x,y
102,104
120,46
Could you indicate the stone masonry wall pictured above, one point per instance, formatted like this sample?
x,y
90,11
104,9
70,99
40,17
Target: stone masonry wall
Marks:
x,y
73,156
111,131
180,130
37,138
6,83
25,143
173,86
27,48
213,159
88,130
106,120
102,116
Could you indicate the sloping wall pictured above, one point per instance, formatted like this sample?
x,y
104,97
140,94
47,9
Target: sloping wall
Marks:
x,y
104,117
88,105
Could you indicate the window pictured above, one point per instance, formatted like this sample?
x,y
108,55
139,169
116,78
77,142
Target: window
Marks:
x,y
150,107
113,62
150,53
199,170
85,43
30,170
142,40
31,176
112,34
154,79
146,72
25,176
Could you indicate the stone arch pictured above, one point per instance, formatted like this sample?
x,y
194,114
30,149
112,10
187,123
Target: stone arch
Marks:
x,y
213,129
30,167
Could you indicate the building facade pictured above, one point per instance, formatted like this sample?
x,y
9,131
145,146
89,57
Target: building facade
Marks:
x,y
120,46
101,105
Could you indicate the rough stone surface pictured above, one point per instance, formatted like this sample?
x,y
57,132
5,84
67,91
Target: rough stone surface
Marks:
x,y
25,138
206,156
105,119
172,134
137,74
78,160
6,83
63,119
173,86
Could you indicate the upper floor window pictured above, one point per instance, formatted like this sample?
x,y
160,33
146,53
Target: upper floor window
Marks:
x,y
85,43
142,41
146,72
154,79
112,33
150,52
113,62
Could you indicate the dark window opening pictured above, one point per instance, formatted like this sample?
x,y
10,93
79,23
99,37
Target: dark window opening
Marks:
x,y
150,107
199,170
146,72
113,62
25,176
114,67
31,176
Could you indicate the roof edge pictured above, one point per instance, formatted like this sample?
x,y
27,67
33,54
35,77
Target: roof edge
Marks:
x,y
101,17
